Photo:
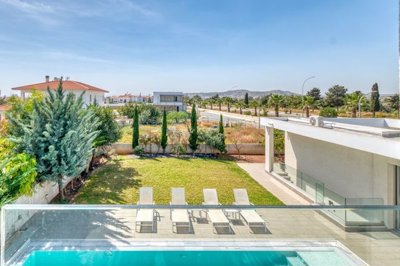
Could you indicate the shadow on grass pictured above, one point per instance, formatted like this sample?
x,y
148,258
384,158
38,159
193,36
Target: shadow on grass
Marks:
x,y
109,182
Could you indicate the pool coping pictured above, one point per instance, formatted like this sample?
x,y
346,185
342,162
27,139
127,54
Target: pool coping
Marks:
x,y
187,245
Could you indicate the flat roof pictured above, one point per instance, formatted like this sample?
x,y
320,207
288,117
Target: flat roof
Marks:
x,y
378,136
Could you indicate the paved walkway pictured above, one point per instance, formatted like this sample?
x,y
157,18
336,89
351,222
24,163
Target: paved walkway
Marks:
x,y
286,195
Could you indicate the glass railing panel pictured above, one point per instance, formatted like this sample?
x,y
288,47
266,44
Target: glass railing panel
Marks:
x,y
303,233
364,216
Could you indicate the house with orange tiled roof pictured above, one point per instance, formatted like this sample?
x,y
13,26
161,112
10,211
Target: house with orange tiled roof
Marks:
x,y
91,94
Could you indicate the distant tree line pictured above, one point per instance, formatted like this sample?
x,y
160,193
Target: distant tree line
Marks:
x,y
337,100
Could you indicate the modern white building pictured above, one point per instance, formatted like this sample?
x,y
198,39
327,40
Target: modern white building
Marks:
x,y
92,94
128,98
339,161
171,101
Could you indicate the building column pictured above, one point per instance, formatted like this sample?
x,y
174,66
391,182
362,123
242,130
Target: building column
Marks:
x,y
269,148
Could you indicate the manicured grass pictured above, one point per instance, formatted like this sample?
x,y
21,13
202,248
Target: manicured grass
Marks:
x,y
118,182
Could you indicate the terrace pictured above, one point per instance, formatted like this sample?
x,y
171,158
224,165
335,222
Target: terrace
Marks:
x,y
105,227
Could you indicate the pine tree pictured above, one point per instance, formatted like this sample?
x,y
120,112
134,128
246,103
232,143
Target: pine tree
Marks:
x,y
164,137
60,134
246,99
135,131
375,103
193,130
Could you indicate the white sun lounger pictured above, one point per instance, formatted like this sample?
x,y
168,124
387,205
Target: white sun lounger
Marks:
x,y
145,216
251,217
179,217
216,216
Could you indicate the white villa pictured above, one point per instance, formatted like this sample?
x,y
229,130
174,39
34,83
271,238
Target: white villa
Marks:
x,y
338,161
92,94
128,98
171,101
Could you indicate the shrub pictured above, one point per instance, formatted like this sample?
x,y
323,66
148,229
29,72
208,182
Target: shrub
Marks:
x,y
247,112
177,117
138,150
150,115
17,174
178,149
328,112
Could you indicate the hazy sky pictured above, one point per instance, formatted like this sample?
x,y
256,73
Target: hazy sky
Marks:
x,y
201,45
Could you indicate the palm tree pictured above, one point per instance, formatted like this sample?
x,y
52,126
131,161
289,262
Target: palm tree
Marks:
x,y
276,100
219,102
255,104
228,101
308,102
351,102
239,104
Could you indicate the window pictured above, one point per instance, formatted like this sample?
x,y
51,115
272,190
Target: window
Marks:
x,y
170,98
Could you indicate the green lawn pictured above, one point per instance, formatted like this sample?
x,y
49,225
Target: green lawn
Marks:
x,y
119,180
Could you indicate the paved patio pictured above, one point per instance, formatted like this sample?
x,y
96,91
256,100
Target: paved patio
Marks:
x,y
376,248
282,192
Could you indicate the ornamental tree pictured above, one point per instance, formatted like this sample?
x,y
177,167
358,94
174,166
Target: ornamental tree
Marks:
x,y
59,135
193,130
135,132
164,137
375,103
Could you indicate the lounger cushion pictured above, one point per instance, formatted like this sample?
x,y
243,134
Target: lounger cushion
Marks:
x,y
180,216
251,216
217,216
145,215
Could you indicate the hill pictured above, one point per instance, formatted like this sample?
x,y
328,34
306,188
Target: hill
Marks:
x,y
239,93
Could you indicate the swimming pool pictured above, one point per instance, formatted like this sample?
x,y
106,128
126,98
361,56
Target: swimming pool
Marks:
x,y
182,257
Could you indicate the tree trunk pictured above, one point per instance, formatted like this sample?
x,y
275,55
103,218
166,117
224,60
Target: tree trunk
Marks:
x,y
60,187
229,108
255,111
373,113
276,110
211,106
354,112
219,106
307,111
240,110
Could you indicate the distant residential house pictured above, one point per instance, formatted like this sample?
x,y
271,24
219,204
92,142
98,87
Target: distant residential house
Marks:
x,y
170,101
128,98
3,110
92,94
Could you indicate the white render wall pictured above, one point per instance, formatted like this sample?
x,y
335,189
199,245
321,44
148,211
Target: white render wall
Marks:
x,y
349,172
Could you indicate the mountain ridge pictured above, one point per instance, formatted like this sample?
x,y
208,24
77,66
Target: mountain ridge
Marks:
x,y
239,93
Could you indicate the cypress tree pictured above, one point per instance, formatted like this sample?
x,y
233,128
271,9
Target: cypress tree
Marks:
x,y
193,130
221,125
60,134
221,131
246,99
164,137
375,103
135,132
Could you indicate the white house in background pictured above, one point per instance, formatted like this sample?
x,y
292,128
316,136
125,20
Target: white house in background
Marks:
x,y
128,98
3,109
170,101
339,161
92,94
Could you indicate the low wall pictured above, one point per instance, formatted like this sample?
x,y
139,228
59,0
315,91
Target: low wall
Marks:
x,y
247,148
43,193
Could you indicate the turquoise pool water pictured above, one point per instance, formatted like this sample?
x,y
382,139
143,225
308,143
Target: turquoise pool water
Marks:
x,y
183,258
